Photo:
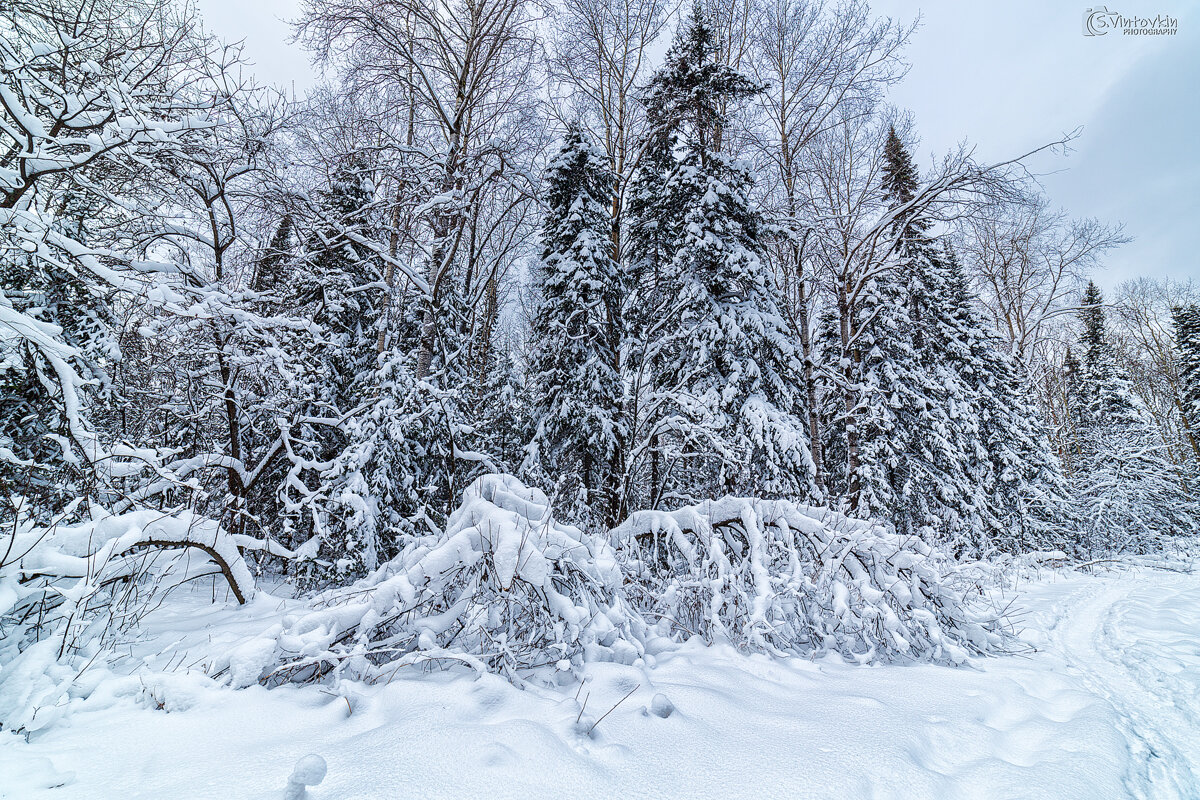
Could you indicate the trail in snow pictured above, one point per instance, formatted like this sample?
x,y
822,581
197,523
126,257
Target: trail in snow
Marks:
x,y
1107,708
1134,641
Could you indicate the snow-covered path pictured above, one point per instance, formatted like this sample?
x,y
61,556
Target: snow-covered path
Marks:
x,y
1135,641
1107,708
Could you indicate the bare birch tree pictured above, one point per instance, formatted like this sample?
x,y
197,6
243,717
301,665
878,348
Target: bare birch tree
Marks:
x,y
462,65
822,66
1029,263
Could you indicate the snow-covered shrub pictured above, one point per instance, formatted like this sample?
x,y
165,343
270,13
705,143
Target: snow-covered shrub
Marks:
x,y
504,588
58,579
404,461
784,578
63,587
507,588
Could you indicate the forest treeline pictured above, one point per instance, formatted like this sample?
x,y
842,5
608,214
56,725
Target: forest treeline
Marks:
x,y
638,255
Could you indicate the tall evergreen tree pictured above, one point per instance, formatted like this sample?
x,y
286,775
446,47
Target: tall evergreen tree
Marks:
x,y
1072,402
727,405
403,449
1187,343
899,183
1128,491
1020,497
576,331
270,270
334,282
881,363
1092,346
340,472
1187,346
917,440
948,446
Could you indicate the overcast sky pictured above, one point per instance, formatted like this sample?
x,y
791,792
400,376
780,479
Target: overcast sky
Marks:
x,y
1005,76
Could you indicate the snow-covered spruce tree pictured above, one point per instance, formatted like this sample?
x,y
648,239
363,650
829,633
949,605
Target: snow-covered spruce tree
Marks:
x,y
724,405
392,479
936,486
1021,497
877,368
1072,403
1187,343
280,388
945,444
409,449
334,281
1129,495
867,341
576,333
914,454
271,269
1094,348
379,456
505,422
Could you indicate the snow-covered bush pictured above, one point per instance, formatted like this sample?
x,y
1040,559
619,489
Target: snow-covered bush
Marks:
x,y
784,578
57,580
67,590
504,588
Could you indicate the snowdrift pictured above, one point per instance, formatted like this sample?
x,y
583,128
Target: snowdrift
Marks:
x,y
506,588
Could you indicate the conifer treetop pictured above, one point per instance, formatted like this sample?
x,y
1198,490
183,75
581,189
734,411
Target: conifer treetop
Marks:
x,y
899,173
690,96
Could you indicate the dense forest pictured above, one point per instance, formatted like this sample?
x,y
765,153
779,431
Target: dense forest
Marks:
x,y
680,269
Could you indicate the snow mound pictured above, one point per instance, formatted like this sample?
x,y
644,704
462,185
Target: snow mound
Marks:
x,y
309,771
782,578
661,706
505,588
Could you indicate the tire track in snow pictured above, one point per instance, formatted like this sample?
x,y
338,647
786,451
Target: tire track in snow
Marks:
x,y
1163,737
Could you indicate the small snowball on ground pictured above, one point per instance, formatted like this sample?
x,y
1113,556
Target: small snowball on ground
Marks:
x,y
309,771
661,706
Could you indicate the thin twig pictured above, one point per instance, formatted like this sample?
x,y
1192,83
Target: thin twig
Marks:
x,y
614,708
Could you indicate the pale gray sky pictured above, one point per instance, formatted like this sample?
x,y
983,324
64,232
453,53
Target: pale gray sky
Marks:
x,y
1005,76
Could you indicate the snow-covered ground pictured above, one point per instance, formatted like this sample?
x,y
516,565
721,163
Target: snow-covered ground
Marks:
x,y
1107,707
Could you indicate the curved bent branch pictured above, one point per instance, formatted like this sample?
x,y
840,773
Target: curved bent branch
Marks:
x,y
209,550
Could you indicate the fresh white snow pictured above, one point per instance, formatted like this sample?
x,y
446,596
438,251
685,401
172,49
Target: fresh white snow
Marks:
x,y
1108,706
